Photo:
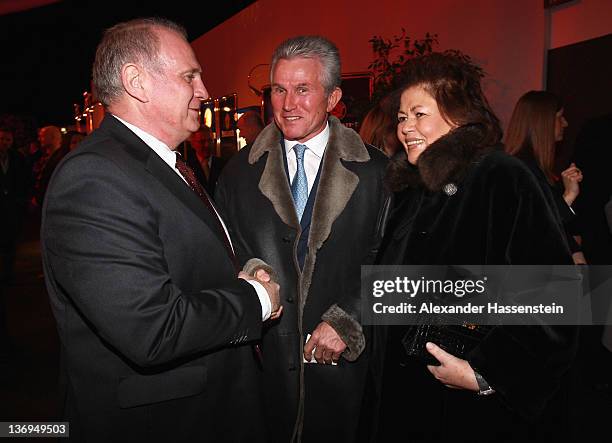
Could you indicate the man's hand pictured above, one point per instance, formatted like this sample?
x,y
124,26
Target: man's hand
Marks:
x,y
271,287
326,344
453,372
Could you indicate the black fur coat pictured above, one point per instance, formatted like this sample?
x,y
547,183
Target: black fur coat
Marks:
x,y
465,203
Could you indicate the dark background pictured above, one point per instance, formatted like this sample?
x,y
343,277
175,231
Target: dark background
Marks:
x,y
581,74
47,52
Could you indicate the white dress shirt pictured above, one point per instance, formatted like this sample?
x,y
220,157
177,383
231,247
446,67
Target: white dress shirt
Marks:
x,y
169,157
312,156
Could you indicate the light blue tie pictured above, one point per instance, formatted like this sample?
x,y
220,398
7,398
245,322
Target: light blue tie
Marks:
x,y
299,186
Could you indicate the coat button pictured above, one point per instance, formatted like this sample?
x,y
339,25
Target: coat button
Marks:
x,y
289,299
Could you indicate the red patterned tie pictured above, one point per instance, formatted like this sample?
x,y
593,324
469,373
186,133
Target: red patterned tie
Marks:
x,y
195,185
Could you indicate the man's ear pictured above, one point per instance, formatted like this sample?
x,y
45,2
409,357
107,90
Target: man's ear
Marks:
x,y
133,77
334,98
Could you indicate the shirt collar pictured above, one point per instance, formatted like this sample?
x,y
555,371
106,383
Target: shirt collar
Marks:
x,y
156,145
316,144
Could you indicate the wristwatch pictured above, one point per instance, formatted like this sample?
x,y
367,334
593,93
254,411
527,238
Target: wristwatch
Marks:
x,y
483,387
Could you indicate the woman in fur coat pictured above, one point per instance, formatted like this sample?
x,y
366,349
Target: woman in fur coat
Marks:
x,y
459,199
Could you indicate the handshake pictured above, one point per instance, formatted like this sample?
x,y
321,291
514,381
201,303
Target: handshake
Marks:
x,y
259,270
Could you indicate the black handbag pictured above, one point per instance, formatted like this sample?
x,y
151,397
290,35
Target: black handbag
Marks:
x,y
457,340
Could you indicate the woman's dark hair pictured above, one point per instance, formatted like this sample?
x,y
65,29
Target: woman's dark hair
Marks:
x,y
454,81
531,131
378,127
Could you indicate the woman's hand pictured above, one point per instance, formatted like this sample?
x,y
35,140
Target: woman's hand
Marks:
x,y
571,177
578,258
453,372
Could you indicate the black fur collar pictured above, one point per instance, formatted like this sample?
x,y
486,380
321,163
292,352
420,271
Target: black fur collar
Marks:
x,y
447,160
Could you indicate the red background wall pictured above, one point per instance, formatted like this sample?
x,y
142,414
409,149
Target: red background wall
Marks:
x,y
508,38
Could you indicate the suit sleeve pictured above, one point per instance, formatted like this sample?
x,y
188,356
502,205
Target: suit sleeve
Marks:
x,y
105,256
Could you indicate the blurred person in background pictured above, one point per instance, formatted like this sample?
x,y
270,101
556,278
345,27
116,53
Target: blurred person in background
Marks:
x,y
200,155
13,199
54,153
378,129
72,139
535,128
250,125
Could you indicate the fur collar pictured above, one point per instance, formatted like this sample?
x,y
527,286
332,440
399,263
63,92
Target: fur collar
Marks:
x,y
348,147
447,160
344,143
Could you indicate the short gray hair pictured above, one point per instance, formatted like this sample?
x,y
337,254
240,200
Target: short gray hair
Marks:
x,y
134,41
312,46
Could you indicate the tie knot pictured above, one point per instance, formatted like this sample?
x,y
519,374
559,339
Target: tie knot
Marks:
x,y
299,151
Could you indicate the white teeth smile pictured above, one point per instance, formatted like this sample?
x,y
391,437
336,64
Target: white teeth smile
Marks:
x,y
414,142
291,118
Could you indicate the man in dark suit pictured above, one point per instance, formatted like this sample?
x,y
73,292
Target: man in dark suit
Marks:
x,y
153,322
306,197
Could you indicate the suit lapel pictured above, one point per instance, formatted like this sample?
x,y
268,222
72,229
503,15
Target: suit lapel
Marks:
x,y
158,168
336,184
163,173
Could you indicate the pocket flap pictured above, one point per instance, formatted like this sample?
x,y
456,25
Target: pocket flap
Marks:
x,y
138,390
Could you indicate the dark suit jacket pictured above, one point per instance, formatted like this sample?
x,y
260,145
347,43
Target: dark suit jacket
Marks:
x,y
150,314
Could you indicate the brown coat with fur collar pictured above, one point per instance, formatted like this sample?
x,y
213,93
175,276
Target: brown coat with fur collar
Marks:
x,y
254,196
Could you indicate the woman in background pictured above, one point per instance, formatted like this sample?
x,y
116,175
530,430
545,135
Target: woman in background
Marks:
x,y
460,199
378,128
536,126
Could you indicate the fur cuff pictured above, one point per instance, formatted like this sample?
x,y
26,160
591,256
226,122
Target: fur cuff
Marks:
x,y
348,329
